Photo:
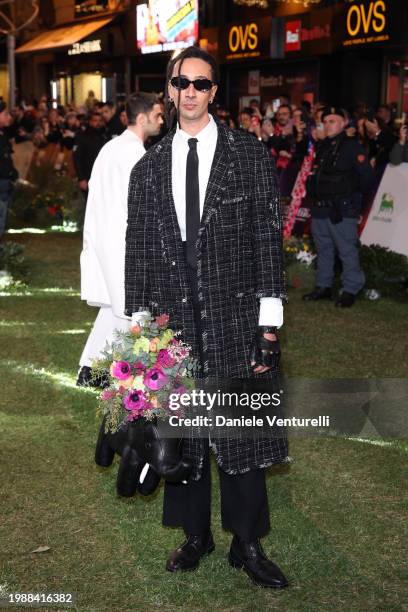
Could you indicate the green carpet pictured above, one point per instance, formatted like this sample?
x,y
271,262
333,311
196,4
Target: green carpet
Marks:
x,y
338,512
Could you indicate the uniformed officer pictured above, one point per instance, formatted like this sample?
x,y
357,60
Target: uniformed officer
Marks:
x,y
341,175
8,173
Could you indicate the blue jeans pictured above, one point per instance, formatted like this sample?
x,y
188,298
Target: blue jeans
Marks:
x,y
343,238
5,199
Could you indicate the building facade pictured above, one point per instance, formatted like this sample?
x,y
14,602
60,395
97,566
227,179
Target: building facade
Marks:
x,y
314,51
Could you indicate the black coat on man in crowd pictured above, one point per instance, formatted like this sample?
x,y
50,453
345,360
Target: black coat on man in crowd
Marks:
x,y
7,170
86,149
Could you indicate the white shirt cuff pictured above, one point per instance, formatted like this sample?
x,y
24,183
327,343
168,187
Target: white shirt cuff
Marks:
x,y
139,317
271,312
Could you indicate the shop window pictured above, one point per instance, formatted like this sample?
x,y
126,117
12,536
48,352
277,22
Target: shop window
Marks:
x,y
83,84
4,83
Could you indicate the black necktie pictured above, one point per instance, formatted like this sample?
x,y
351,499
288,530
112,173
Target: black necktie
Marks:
x,y
192,202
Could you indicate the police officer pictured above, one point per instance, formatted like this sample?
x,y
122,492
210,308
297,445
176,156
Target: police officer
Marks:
x,y
341,175
86,149
8,173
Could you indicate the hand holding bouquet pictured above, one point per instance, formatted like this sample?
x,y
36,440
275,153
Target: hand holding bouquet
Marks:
x,y
146,365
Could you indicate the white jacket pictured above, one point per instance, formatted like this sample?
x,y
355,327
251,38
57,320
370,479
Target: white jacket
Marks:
x,y
103,252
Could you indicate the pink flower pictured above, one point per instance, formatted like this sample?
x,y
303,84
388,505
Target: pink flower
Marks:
x,y
162,320
155,379
179,390
107,395
120,370
138,368
165,360
135,401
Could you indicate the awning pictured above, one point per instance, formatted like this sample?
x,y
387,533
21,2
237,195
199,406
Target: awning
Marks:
x,y
63,37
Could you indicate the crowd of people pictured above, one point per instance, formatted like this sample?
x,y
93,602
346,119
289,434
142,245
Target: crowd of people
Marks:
x,y
287,131
77,133
290,132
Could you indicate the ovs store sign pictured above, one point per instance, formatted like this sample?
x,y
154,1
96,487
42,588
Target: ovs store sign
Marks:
x,y
366,22
248,40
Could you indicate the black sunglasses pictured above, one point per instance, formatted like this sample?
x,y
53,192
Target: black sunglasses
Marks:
x,y
199,84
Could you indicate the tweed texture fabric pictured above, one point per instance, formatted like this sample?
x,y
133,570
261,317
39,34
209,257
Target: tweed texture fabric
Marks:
x,y
239,260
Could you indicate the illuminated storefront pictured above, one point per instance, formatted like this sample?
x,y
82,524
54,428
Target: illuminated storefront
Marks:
x,y
320,54
258,63
88,53
308,52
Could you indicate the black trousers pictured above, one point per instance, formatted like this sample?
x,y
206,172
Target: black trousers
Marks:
x,y
244,503
244,500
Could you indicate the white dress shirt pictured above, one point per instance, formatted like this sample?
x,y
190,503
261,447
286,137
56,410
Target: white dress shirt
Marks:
x,y
207,141
271,310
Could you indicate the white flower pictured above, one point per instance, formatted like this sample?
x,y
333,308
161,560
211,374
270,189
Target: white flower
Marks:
x,y
138,383
5,279
305,257
372,294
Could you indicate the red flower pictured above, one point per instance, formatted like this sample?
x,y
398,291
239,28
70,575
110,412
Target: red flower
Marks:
x,y
162,320
138,368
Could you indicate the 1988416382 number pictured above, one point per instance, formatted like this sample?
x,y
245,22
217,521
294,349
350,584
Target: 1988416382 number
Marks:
x,y
36,599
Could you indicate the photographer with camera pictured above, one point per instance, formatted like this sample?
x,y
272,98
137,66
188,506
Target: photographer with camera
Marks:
x,y
399,152
380,140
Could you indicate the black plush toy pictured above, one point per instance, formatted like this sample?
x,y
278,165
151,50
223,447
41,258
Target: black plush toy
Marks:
x,y
140,444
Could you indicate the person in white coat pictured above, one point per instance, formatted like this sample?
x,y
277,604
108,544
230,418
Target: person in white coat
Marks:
x,y
103,253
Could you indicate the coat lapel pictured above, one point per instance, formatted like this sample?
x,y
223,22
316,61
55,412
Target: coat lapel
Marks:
x,y
221,169
167,208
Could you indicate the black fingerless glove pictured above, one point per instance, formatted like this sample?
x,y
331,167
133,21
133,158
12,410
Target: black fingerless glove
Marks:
x,y
265,352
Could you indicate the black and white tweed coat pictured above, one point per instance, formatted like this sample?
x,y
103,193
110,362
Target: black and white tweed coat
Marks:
x,y
239,251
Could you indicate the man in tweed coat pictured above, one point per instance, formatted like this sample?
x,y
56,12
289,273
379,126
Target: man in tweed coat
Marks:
x,y
223,289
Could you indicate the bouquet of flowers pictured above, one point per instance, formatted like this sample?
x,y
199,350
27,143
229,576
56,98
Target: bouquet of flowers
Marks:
x,y
146,365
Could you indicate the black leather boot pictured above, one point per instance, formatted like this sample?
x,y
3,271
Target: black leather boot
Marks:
x,y
250,557
346,300
188,555
320,293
